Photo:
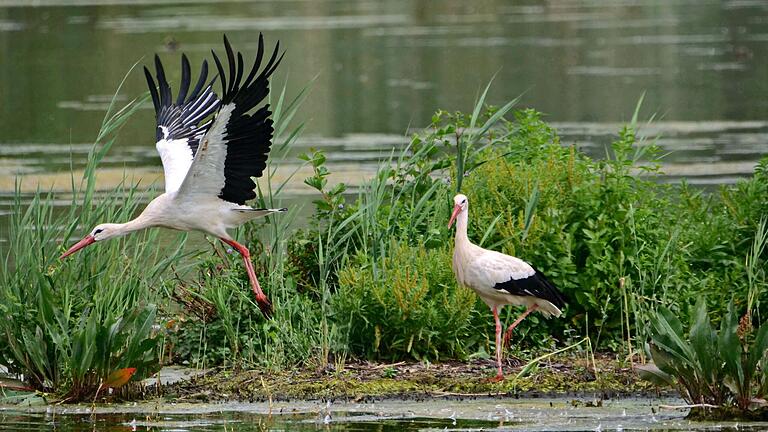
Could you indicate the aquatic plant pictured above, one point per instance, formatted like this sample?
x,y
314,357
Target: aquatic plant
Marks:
x,y
711,368
69,326
720,369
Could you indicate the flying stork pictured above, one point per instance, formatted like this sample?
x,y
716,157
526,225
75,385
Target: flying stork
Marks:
x,y
500,279
208,162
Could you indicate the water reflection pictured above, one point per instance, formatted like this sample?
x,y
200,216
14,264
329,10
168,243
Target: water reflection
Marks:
x,y
577,61
474,414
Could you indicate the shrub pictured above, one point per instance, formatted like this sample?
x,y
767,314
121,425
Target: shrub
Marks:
x,y
617,242
410,307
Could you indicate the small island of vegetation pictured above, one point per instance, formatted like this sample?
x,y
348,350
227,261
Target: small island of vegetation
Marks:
x,y
361,282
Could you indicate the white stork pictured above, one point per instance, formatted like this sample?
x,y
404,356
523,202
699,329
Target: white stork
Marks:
x,y
499,279
208,163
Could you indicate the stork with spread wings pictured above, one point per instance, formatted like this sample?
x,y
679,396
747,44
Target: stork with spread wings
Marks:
x,y
209,161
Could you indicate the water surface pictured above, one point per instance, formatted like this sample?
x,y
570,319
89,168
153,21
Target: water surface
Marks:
x,y
470,414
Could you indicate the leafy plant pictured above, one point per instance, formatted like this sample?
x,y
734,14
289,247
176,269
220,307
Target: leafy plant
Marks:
x,y
709,367
70,325
600,229
410,308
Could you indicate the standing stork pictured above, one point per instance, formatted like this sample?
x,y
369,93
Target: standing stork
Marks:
x,y
500,279
208,163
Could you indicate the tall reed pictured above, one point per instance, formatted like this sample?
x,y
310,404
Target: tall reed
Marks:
x,y
69,324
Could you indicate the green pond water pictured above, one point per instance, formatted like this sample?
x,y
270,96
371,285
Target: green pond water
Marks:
x,y
508,414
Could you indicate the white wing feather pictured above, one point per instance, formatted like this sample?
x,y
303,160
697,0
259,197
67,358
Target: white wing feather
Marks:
x,y
206,175
177,157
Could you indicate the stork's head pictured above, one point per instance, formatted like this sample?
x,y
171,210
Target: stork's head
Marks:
x,y
99,233
460,204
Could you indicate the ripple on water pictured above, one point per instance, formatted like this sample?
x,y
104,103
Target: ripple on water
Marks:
x,y
8,26
729,149
613,71
509,414
131,24
22,149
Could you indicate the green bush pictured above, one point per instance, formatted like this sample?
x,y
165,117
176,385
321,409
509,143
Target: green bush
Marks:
x,y
614,240
588,225
617,242
411,307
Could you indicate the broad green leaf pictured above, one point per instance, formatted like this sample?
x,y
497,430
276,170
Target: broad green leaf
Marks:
x,y
650,372
759,348
730,348
704,343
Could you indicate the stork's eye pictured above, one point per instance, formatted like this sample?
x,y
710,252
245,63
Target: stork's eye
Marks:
x,y
98,231
463,201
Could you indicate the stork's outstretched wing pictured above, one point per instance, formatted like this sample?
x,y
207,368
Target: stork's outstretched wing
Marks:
x,y
236,146
179,127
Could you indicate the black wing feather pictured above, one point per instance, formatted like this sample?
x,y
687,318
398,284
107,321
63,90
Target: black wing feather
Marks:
x,y
182,119
152,89
256,62
231,62
536,285
222,76
185,73
248,136
165,89
200,81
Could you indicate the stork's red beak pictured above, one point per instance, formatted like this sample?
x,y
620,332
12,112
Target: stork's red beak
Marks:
x,y
88,240
456,211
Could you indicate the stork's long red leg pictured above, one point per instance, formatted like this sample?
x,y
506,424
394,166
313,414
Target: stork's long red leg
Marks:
x,y
261,299
512,326
499,376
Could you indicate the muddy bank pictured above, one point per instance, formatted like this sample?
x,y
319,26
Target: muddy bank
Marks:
x,y
361,381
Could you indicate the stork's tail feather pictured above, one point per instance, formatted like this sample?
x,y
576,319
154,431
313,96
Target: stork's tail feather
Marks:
x,y
549,292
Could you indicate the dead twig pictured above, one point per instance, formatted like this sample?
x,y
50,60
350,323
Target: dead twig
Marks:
x,y
441,393
382,366
679,407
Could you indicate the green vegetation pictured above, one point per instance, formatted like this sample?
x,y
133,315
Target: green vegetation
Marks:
x,y
725,368
368,275
710,368
67,327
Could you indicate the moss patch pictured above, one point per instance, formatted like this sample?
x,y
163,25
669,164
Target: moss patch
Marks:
x,y
363,380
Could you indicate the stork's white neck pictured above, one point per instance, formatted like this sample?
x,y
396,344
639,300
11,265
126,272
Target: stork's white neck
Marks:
x,y
121,229
145,220
462,249
462,220
141,222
